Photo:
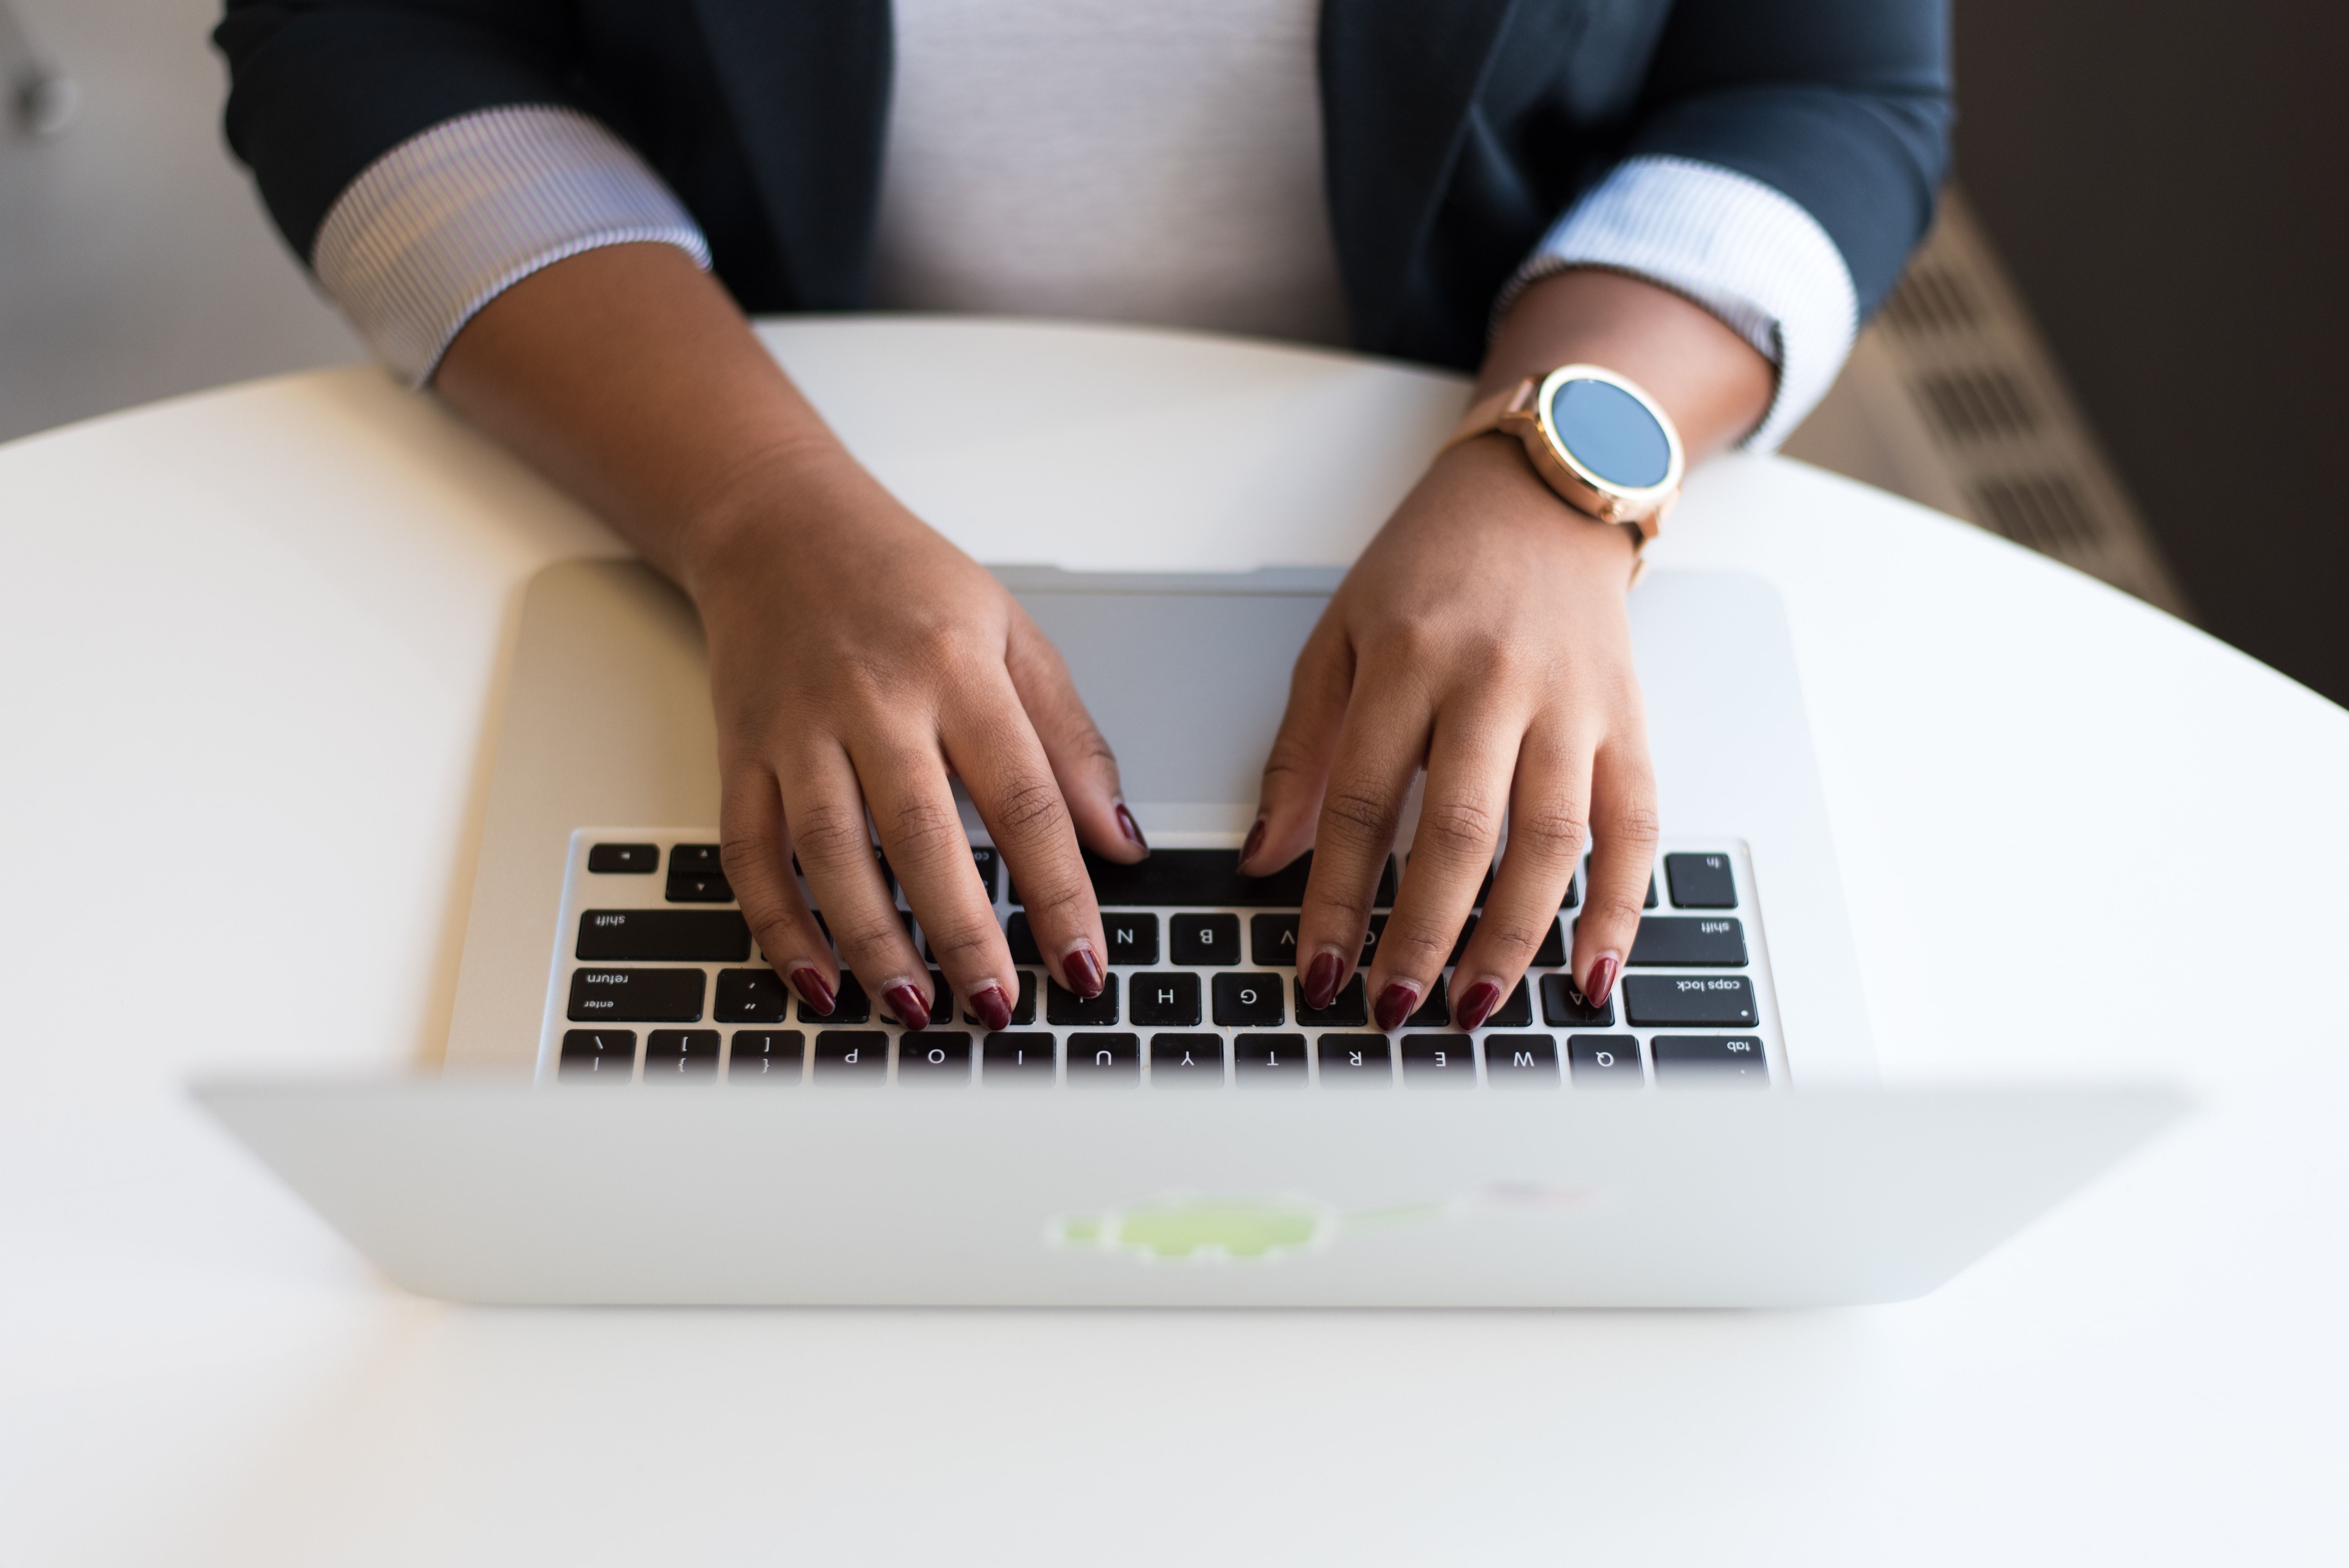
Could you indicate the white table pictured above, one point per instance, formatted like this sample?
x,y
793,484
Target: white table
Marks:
x,y
251,641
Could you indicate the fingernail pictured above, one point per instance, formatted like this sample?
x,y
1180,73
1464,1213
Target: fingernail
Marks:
x,y
1255,843
1395,1004
1482,998
1083,970
1602,979
908,1004
1130,829
1321,980
812,990
993,1007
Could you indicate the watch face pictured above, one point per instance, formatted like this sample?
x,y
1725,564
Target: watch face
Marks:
x,y
1611,433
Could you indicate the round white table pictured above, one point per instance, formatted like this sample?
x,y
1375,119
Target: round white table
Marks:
x,y
253,639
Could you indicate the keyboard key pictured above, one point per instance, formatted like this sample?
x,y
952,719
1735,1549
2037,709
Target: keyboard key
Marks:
x,y
1244,999
1187,1062
698,890
1434,1010
1573,893
1711,1061
766,1056
1268,1061
1701,882
1516,1013
600,1055
1019,1061
1023,940
1667,940
1272,940
1551,953
1565,1007
1133,938
1605,1061
851,1057
1023,1011
624,859
1112,1061
990,869
1194,879
1439,1061
1384,897
682,1056
1717,999
1521,1061
1063,1007
940,1056
849,1005
1355,1061
1460,943
695,860
663,936
1169,998
636,996
751,996
1344,1011
1203,938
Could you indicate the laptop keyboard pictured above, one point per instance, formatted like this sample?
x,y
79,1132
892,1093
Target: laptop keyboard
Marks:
x,y
660,982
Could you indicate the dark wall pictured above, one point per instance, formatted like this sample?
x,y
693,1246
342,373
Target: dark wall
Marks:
x,y
2167,181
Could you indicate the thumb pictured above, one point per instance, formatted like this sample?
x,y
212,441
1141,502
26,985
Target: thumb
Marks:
x,y
1082,763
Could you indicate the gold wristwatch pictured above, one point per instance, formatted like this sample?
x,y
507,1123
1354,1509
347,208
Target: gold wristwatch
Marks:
x,y
1597,439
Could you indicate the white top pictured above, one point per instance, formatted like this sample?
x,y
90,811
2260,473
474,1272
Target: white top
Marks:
x,y
1068,158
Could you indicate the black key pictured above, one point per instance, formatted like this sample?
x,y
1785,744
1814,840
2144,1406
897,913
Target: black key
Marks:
x,y
989,866
1105,1060
1485,888
1711,1061
1355,1061
849,1005
851,1057
1521,1061
751,996
1194,879
1440,1062
1668,940
1133,938
1268,1061
1167,998
624,859
934,1057
1019,1061
1385,896
1272,940
670,936
1344,1011
1460,943
1062,1006
682,1056
1565,1007
1023,1011
1187,1062
1701,882
766,1056
1023,940
600,1055
1203,938
1378,928
691,888
1573,893
1551,953
1605,1061
636,995
1434,1011
696,860
1516,1013
1242,1000
1717,999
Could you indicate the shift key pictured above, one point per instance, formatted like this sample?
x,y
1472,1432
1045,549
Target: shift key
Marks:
x,y
1706,942
636,995
1722,999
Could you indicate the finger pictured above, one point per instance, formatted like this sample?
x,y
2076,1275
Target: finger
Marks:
x,y
1470,763
1622,859
1380,746
1010,781
756,851
825,807
1080,759
1549,806
1296,769
912,805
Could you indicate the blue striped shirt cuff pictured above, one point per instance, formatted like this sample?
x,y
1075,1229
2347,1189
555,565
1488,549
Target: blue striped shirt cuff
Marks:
x,y
454,216
1747,253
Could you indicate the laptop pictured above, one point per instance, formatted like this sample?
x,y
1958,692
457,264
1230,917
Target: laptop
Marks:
x,y
634,1110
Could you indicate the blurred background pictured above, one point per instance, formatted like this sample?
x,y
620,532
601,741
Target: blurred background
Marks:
x,y
2123,345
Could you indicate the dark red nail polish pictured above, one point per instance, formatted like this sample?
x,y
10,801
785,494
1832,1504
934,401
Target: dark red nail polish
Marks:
x,y
1130,829
1084,972
1602,980
1476,1007
1255,843
993,1007
908,1004
812,990
1395,1004
1321,980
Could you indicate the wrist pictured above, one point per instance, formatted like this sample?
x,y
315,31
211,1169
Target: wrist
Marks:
x,y
780,496
1494,470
